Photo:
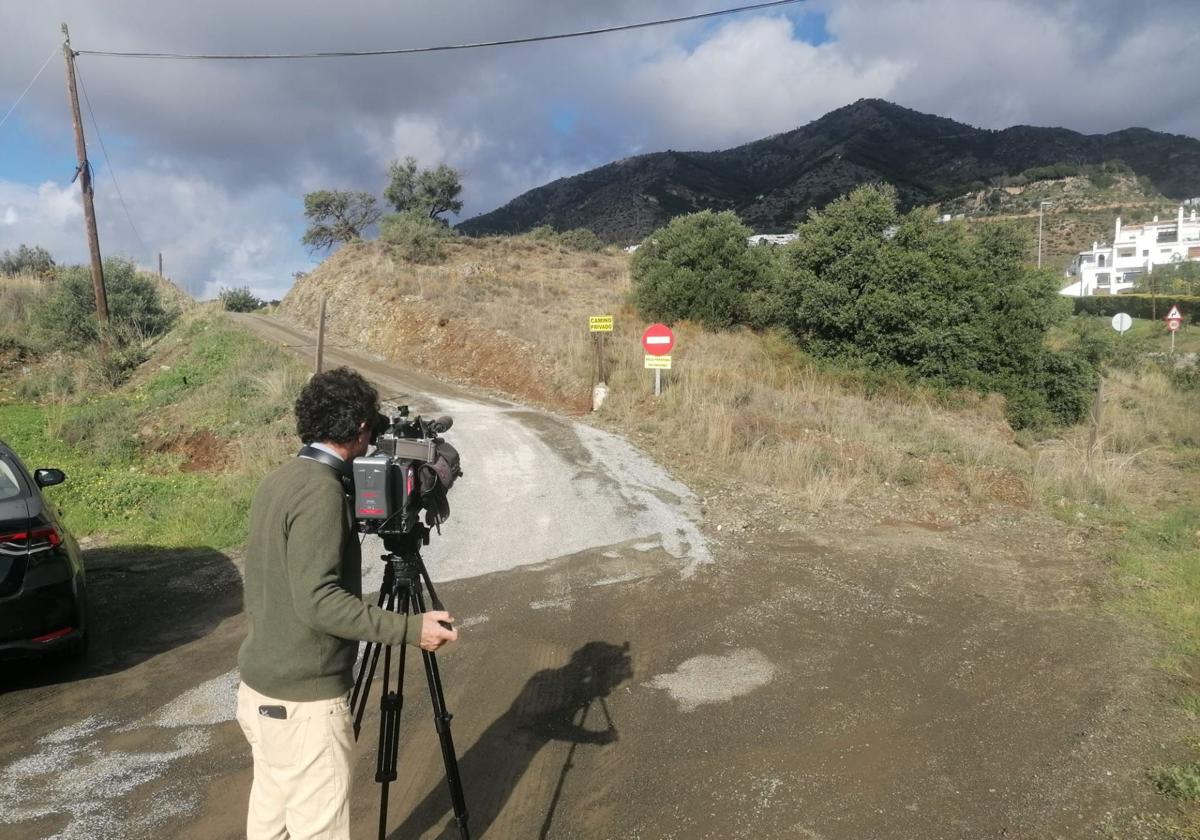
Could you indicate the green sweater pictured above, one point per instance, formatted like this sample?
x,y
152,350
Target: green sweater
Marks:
x,y
303,589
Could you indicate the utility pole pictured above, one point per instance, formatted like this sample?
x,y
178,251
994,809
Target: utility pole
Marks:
x,y
1041,206
84,174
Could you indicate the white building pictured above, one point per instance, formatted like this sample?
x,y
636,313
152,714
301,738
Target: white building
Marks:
x,y
1136,249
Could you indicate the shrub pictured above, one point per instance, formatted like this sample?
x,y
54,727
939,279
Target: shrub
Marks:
x,y
415,236
27,260
544,233
933,302
240,300
581,239
67,318
700,268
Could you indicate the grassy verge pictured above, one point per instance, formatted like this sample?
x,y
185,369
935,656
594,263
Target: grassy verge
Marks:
x,y
1158,567
172,457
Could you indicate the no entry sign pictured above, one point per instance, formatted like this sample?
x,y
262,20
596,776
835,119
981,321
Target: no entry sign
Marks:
x,y
658,340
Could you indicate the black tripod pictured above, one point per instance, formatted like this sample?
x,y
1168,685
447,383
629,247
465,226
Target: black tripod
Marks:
x,y
402,592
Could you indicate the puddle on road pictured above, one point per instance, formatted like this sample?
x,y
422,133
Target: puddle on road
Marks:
x,y
715,679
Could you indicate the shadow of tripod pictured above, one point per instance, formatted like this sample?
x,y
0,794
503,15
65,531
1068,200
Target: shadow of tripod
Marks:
x,y
554,705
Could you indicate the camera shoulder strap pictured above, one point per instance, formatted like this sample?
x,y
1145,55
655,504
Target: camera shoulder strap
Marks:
x,y
344,469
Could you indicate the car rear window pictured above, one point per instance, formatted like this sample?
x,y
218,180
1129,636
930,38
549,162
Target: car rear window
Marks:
x,y
10,485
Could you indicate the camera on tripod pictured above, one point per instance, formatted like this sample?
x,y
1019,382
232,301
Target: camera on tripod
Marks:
x,y
412,469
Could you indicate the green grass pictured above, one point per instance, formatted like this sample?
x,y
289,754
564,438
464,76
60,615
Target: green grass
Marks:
x,y
1158,567
1153,337
207,376
1182,782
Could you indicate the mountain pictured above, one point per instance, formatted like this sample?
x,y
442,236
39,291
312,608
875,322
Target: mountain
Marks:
x,y
771,183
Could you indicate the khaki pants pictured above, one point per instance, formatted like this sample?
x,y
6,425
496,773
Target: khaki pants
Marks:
x,y
301,785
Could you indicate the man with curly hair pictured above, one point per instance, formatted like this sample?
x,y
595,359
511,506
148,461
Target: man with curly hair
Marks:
x,y
305,613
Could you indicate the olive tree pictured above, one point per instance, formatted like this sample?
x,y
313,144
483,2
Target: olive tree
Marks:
x,y
336,216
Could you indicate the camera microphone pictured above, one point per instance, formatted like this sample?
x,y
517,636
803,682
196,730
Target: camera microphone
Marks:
x,y
442,424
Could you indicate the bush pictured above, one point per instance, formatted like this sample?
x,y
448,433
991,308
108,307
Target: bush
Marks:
x,y
67,318
933,302
581,239
544,233
26,260
416,236
700,268
576,239
240,300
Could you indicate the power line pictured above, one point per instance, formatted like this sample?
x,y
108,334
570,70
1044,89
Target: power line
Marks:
x,y
112,173
28,87
444,48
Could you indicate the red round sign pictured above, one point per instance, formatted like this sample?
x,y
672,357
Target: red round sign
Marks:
x,y
658,339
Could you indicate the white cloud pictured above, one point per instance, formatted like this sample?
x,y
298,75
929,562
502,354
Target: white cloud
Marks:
x,y
752,79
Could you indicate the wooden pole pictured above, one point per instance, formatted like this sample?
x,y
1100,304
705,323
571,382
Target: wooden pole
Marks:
x,y
1094,433
160,263
84,175
321,335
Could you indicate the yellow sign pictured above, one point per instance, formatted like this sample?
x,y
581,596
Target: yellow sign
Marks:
x,y
600,323
658,362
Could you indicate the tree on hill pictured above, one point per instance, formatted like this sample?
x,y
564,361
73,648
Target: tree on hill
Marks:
x,y
428,191
336,216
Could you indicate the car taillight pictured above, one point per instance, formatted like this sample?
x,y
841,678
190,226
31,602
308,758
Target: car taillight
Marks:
x,y
44,538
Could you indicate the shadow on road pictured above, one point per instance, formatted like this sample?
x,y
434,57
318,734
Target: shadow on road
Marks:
x,y
142,601
557,704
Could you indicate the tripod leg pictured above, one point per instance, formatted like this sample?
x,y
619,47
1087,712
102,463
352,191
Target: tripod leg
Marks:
x,y
362,683
390,706
441,720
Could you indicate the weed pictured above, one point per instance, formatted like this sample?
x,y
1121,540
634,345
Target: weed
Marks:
x,y
1182,782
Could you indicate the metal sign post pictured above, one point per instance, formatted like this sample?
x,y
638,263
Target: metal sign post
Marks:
x,y
657,341
1174,320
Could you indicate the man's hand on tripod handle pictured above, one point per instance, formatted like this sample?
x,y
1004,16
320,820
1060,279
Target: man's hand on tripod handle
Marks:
x,y
437,629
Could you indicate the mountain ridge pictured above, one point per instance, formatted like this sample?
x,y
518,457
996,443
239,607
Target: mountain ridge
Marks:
x,y
771,183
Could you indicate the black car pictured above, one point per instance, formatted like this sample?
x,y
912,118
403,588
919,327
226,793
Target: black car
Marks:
x,y
42,596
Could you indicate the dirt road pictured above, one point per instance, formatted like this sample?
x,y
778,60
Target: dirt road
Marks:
x,y
621,677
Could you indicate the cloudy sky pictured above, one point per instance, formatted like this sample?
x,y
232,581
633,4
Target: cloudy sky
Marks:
x,y
213,158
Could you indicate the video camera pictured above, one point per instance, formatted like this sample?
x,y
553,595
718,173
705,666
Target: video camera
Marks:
x,y
412,469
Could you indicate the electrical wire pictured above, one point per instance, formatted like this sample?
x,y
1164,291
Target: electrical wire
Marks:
x,y
112,173
36,76
444,48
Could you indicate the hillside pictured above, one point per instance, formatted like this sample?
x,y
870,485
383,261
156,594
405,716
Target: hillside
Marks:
x,y
771,183
1082,208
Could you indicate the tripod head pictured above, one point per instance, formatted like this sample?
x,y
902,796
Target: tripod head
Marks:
x,y
408,544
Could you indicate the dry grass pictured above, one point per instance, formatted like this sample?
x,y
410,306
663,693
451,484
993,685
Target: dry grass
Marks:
x,y
18,295
753,407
